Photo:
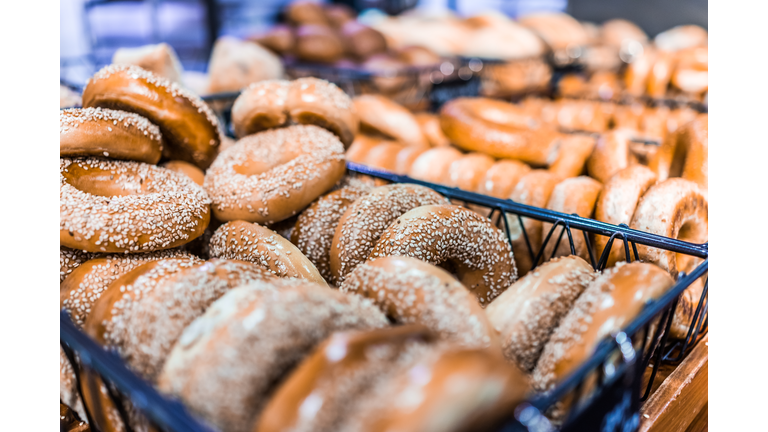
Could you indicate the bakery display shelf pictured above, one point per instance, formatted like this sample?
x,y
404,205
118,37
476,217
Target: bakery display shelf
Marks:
x,y
605,391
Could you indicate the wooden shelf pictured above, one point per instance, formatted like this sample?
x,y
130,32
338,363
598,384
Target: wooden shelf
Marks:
x,y
679,397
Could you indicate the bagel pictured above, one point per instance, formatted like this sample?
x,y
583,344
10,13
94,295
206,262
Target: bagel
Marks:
x,y
253,243
68,391
270,176
661,74
114,206
410,291
70,259
617,203
317,43
84,285
430,128
191,131
339,14
501,178
696,138
456,237
468,172
574,195
692,72
108,133
608,304
194,173
573,155
498,129
234,64
316,226
305,12
69,420
160,59
361,41
229,361
432,165
338,374
368,217
381,115
278,38
360,147
311,101
528,311
610,155
675,208
384,155
533,189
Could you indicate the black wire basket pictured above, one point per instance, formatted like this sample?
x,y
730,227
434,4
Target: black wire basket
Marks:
x,y
614,370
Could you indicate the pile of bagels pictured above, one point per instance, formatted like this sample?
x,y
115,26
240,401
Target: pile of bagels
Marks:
x,y
267,289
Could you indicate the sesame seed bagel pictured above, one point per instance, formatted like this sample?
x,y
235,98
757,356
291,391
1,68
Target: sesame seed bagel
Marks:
x,y
410,291
83,287
250,242
498,129
190,129
68,392
447,389
573,195
116,206
528,311
617,203
230,360
339,373
272,175
675,208
608,304
70,259
194,173
456,237
362,224
274,103
108,133
383,116
316,226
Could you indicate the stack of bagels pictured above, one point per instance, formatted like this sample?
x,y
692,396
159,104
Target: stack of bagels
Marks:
x,y
268,290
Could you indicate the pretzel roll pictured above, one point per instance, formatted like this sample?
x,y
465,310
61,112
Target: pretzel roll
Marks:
x,y
573,155
338,374
111,206
229,361
501,178
385,117
430,128
316,226
251,242
368,217
410,291
527,313
467,173
610,155
458,238
361,40
270,176
191,131
275,103
498,129
108,133
617,203
70,259
675,208
194,173
83,287
432,165
318,44
608,304
447,390
696,140
574,195
533,189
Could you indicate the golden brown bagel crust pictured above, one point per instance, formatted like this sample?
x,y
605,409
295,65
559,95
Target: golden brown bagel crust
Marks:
x,y
410,291
70,259
186,168
251,242
360,148
316,226
675,208
607,305
108,133
388,118
121,206
318,44
696,164
274,103
433,165
338,374
362,41
528,311
475,389
447,234
467,173
430,127
610,155
364,221
83,287
501,178
574,195
617,203
68,392
270,176
498,129
229,361
190,129
573,155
